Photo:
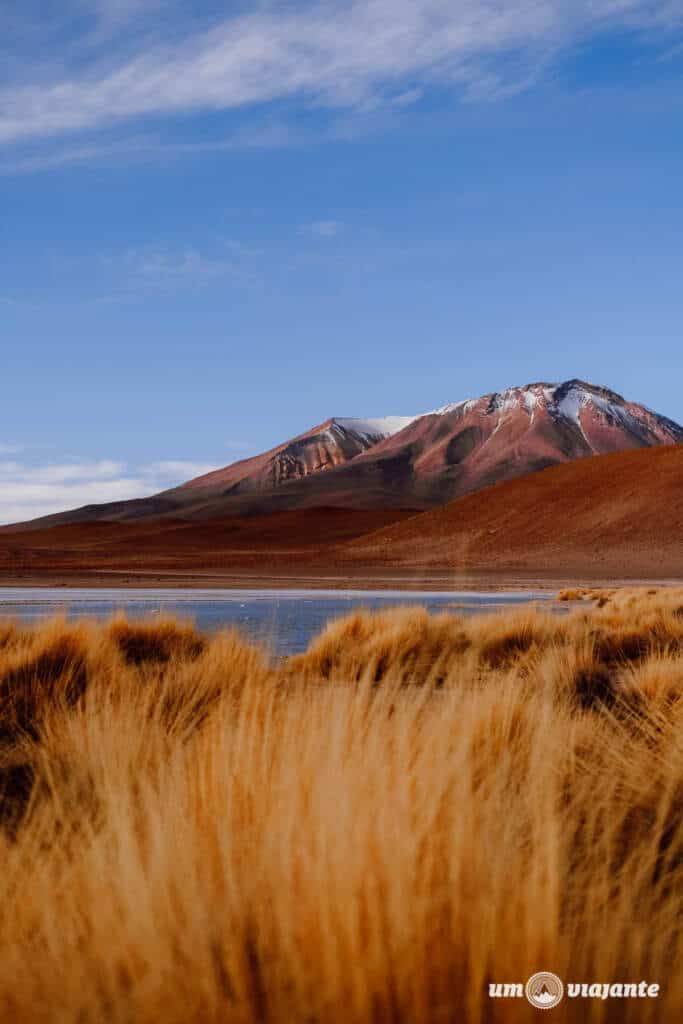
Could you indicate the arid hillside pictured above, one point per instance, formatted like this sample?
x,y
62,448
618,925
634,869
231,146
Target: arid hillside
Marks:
x,y
617,515
175,550
614,516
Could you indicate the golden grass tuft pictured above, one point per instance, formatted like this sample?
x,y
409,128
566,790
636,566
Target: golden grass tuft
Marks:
x,y
371,831
156,641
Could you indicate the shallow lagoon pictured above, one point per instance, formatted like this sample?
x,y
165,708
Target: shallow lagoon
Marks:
x,y
285,620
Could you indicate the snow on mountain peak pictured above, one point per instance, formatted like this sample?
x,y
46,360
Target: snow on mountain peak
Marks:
x,y
574,395
383,426
465,405
567,402
561,399
571,403
566,399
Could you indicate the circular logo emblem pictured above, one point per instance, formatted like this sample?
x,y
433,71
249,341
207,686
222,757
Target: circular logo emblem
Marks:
x,y
544,990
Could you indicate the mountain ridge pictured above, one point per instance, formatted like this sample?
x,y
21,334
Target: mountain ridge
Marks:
x,y
410,462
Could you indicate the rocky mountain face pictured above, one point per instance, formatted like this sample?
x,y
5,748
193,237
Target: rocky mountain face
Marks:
x,y
333,443
477,442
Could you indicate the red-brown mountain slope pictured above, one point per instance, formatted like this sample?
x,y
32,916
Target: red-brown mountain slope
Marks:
x,y
332,443
617,515
470,445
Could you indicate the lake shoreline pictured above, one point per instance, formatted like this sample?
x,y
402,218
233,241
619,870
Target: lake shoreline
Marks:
x,y
283,620
432,581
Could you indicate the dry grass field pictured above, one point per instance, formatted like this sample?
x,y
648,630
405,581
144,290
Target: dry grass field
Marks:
x,y
373,831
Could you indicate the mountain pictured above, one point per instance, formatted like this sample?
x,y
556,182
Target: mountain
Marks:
x,y
616,516
430,459
478,442
413,462
333,443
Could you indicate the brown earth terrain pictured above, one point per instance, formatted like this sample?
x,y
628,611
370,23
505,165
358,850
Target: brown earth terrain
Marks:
x,y
282,548
616,516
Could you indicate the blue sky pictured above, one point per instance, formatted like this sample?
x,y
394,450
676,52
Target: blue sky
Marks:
x,y
219,229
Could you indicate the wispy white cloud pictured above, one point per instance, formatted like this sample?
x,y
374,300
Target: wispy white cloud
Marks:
x,y
163,267
149,148
672,53
322,228
28,491
407,98
71,156
114,13
179,469
21,500
328,52
59,473
242,449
